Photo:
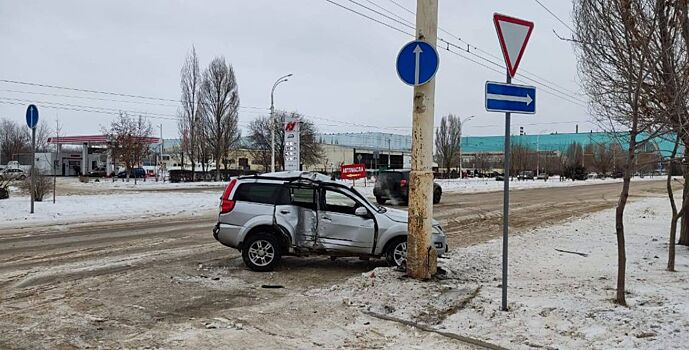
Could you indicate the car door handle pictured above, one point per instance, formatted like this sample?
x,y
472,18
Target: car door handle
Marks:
x,y
284,211
327,218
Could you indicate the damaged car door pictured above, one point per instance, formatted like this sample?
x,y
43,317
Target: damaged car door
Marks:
x,y
345,224
299,215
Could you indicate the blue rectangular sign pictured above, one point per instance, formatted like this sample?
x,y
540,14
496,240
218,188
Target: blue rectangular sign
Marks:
x,y
502,97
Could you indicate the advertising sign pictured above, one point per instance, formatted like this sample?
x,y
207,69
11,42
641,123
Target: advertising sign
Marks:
x,y
353,171
292,160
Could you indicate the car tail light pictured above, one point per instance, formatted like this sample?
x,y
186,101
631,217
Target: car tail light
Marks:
x,y
403,183
226,204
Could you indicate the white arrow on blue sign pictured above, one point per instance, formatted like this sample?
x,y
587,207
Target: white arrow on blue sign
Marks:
x,y
501,97
32,116
417,63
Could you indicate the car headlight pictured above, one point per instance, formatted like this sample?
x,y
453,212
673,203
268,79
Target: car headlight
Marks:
x,y
438,230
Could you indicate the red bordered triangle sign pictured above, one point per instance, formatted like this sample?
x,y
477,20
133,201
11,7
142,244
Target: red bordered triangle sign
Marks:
x,y
513,34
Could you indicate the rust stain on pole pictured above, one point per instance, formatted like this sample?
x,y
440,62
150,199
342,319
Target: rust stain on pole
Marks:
x,y
421,255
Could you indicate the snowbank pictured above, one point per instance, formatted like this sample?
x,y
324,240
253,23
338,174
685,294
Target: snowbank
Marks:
x,y
81,208
149,184
490,185
556,299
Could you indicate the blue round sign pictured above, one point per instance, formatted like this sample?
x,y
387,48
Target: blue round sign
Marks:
x,y
417,63
32,116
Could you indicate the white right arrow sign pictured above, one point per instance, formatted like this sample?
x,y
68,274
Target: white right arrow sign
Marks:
x,y
513,34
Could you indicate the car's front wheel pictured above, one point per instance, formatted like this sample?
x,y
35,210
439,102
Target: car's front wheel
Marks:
x,y
396,252
261,252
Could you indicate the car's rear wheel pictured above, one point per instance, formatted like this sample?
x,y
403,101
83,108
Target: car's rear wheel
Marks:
x,y
396,252
261,252
436,196
381,200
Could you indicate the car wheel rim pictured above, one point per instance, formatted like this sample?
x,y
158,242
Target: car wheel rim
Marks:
x,y
400,253
261,252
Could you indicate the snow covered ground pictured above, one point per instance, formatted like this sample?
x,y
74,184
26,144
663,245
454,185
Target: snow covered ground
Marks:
x,y
140,184
82,208
556,299
490,185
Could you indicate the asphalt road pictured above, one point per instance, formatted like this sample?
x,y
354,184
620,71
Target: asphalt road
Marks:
x,y
166,282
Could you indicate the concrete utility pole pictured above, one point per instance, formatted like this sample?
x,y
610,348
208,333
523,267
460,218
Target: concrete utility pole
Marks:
x,y
421,255
280,80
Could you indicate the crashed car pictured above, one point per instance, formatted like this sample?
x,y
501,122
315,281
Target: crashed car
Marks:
x,y
297,213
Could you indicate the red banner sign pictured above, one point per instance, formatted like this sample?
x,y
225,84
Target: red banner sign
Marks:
x,y
353,171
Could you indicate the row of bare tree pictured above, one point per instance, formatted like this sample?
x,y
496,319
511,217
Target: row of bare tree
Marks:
x,y
634,63
209,114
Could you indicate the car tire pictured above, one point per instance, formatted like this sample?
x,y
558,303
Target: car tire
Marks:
x,y
396,252
436,196
261,252
380,200
22,177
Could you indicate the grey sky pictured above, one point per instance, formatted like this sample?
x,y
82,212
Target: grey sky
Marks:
x,y
343,64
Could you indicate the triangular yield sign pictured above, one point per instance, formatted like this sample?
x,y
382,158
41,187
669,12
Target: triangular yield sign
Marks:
x,y
513,34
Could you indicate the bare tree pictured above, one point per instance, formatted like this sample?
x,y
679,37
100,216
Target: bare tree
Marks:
x,y
612,40
220,109
447,142
190,120
519,157
310,151
14,140
128,136
602,158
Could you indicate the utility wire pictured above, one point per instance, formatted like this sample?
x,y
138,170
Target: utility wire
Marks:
x,y
470,46
104,92
554,15
407,24
568,97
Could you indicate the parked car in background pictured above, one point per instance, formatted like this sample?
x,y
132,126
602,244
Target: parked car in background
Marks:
x,y
302,213
97,172
542,176
394,185
12,174
134,172
525,175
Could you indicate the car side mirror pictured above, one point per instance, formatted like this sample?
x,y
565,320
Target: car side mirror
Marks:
x,y
361,211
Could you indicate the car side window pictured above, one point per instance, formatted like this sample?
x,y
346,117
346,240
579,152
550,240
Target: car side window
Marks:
x,y
304,197
260,193
338,202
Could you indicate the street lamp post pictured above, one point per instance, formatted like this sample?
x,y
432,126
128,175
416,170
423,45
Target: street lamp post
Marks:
x,y
280,80
461,131
538,152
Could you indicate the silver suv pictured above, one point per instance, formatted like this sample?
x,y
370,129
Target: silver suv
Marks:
x,y
300,213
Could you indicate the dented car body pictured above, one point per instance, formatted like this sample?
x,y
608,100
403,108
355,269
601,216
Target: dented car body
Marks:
x,y
301,213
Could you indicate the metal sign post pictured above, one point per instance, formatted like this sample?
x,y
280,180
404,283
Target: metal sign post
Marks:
x,y
513,34
31,122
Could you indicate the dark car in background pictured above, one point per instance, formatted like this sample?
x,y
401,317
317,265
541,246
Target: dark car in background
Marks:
x,y
97,172
394,185
135,172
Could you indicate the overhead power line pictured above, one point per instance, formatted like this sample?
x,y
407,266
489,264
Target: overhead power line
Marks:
x,y
104,92
554,15
470,48
556,92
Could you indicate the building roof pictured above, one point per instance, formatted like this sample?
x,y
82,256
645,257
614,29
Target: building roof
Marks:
x,y
558,142
103,139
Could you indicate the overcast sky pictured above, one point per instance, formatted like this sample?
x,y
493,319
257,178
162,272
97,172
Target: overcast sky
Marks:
x,y
343,64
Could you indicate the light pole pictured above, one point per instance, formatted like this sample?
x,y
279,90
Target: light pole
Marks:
x,y
389,153
538,152
282,79
461,131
